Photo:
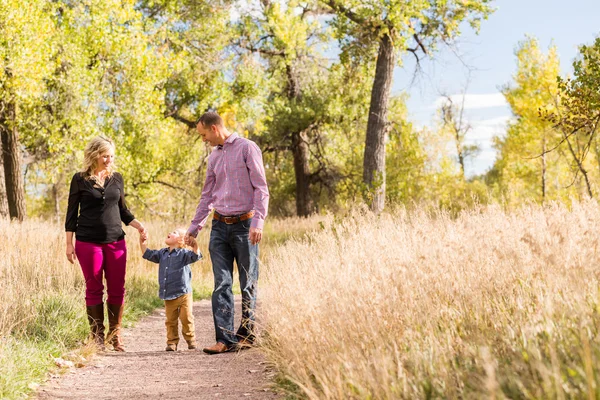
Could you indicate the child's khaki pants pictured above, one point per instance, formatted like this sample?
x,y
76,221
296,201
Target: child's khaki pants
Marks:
x,y
180,309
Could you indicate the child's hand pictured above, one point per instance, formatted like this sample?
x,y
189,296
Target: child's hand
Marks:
x,y
143,239
191,241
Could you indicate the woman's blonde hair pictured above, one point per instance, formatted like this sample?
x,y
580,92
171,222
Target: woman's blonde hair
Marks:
x,y
94,149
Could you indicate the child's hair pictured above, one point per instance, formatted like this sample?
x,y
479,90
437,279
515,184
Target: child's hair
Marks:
x,y
182,232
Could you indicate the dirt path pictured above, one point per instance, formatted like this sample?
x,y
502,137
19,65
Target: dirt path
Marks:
x,y
146,371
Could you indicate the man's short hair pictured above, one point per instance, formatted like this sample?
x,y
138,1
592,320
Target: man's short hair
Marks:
x,y
210,118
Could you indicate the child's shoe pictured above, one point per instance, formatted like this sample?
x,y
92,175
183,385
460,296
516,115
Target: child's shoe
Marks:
x,y
171,347
192,345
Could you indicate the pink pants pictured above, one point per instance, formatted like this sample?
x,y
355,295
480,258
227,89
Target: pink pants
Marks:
x,y
96,258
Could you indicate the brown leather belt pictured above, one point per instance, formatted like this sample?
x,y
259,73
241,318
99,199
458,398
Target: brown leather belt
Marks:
x,y
234,219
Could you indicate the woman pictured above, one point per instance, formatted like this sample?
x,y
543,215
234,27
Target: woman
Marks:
x,y
95,212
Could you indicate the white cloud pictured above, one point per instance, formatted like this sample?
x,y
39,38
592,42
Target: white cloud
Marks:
x,y
485,130
482,133
474,101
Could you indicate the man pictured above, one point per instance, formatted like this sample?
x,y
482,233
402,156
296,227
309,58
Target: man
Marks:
x,y
236,188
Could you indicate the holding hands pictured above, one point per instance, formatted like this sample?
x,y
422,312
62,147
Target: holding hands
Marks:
x,y
189,240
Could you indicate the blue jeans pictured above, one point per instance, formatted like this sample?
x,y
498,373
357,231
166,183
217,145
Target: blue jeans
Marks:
x,y
228,243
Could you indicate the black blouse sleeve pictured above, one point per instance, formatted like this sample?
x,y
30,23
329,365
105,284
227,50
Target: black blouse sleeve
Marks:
x,y
126,215
73,205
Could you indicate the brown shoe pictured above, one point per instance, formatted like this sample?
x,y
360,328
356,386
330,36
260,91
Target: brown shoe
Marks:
x,y
171,347
217,348
192,346
115,316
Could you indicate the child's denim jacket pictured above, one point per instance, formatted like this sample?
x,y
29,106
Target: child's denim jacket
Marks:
x,y
174,272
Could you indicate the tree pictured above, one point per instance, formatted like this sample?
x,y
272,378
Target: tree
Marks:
x,y
3,198
453,120
26,50
385,31
577,112
302,112
524,165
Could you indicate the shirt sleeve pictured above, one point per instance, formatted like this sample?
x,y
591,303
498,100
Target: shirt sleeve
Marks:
x,y
206,202
152,255
126,215
190,257
73,206
258,179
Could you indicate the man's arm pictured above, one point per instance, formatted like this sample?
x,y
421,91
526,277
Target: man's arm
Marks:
x,y
205,205
258,179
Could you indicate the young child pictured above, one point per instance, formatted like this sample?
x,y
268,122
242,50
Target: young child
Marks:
x,y
175,281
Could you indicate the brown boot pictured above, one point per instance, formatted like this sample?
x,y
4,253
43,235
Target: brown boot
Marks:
x,y
95,316
115,316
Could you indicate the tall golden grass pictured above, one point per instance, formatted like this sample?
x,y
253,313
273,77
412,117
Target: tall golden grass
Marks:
x,y
490,304
42,306
33,267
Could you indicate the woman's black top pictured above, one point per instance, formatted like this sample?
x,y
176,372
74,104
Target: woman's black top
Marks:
x,y
95,213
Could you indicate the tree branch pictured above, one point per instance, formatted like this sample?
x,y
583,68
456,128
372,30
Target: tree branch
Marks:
x,y
351,15
174,114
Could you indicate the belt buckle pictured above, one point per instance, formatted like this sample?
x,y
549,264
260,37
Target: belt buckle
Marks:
x,y
230,220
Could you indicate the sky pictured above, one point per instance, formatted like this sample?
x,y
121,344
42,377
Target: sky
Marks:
x,y
487,62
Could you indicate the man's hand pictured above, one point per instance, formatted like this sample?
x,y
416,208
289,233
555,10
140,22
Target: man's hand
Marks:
x,y
255,235
189,240
193,244
71,256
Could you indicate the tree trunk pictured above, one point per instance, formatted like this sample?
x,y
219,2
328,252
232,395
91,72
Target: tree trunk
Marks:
x,y
301,152
15,188
374,159
581,168
56,201
304,202
461,155
3,200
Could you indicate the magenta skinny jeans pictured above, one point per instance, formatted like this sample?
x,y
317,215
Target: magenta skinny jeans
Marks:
x,y
98,259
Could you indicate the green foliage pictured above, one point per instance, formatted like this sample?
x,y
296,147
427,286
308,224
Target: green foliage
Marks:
x,y
547,145
359,25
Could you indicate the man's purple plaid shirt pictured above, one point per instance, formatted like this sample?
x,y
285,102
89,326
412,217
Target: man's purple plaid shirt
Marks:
x,y
235,183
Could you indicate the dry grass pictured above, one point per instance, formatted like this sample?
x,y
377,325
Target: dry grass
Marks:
x,y
487,305
42,307
33,268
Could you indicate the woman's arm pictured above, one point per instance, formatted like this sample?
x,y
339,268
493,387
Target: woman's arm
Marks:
x,y
139,226
126,215
71,256
71,218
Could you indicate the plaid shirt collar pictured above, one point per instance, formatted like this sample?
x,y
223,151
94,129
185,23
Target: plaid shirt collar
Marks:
x,y
229,140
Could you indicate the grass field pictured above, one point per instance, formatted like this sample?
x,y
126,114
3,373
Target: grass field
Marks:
x,y
42,307
490,304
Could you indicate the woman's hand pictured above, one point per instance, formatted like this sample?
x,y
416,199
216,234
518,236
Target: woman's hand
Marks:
x,y
140,227
71,256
